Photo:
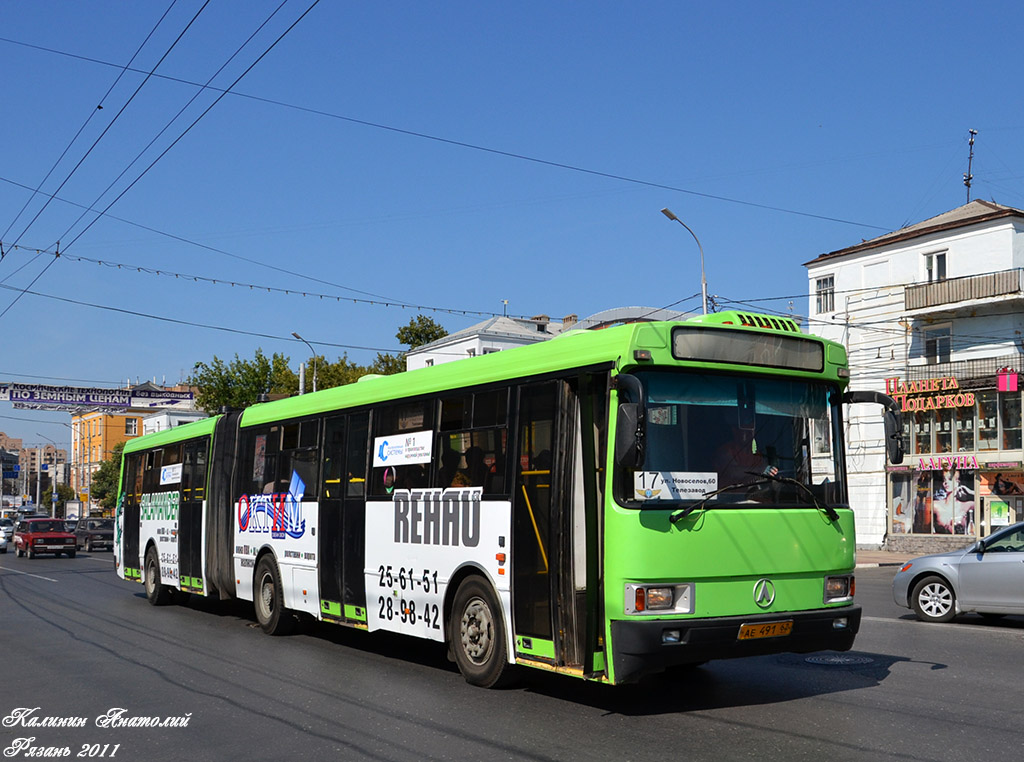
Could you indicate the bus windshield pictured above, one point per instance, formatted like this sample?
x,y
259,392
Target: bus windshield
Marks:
x,y
758,440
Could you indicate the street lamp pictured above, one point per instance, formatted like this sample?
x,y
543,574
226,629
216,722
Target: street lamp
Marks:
x,y
703,280
311,351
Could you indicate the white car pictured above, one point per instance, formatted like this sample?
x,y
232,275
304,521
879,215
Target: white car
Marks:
x,y
3,542
7,528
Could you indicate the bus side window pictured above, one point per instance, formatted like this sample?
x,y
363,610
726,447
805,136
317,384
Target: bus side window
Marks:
x,y
299,458
395,421
355,456
473,441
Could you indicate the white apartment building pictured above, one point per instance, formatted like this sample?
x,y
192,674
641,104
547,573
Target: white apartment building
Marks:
x,y
933,315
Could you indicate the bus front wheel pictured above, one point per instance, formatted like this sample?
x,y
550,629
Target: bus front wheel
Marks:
x,y
156,593
268,599
476,635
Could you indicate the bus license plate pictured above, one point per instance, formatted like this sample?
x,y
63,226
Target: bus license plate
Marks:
x,y
766,630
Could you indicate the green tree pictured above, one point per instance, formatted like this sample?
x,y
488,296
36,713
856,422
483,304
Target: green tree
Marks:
x,y
418,331
64,493
104,482
239,383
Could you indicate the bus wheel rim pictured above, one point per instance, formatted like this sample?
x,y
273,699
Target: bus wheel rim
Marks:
x,y
476,630
267,595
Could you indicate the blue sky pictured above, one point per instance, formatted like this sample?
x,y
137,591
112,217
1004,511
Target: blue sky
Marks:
x,y
454,155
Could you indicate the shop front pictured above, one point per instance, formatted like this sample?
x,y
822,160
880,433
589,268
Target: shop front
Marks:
x,y
963,476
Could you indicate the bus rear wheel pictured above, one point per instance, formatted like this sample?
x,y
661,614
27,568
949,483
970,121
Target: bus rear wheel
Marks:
x,y
268,599
476,635
156,593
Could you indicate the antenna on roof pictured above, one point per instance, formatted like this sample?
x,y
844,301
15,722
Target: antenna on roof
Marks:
x,y
970,159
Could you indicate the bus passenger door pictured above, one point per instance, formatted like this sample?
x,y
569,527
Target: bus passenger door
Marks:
x,y
555,525
190,516
342,516
132,491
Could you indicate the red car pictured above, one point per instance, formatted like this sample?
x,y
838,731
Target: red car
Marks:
x,y
34,536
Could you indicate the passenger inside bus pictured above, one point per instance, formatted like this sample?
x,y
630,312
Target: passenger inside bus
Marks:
x,y
738,458
476,470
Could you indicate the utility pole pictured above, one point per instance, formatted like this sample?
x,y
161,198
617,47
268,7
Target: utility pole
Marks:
x,y
970,160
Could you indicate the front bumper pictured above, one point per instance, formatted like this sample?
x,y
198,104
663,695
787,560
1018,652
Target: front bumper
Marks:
x,y
639,647
51,547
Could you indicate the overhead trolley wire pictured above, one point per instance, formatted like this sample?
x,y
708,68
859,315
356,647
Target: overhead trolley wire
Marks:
x,y
197,120
381,301
214,249
92,113
174,118
112,121
191,323
481,148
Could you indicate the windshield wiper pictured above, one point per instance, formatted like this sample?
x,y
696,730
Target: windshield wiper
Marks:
x,y
765,477
682,513
826,508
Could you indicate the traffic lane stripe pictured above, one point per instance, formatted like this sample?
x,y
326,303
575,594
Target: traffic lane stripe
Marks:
x,y
27,574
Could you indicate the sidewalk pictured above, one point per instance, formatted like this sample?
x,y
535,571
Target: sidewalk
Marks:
x,y
869,558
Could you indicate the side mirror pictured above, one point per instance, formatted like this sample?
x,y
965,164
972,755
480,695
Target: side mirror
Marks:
x,y
893,437
630,423
893,420
979,547
629,437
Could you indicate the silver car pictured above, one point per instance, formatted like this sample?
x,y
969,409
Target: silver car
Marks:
x,y
987,578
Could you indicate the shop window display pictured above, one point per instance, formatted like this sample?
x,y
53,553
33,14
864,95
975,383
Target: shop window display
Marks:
x,y
965,429
944,502
1009,415
988,422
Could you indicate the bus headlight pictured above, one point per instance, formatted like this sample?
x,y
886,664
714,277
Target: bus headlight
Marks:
x,y
659,599
839,588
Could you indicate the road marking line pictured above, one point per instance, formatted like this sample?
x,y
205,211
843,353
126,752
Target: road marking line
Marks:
x,y
27,574
960,626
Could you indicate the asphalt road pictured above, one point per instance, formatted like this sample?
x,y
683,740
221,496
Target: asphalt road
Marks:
x,y
80,644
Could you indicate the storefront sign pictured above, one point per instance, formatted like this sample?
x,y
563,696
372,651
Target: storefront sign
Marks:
x,y
946,463
928,394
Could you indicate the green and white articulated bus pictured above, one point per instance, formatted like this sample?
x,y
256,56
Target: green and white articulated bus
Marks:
x,y
607,504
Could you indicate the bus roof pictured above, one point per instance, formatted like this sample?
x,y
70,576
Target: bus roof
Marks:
x,y
199,428
576,349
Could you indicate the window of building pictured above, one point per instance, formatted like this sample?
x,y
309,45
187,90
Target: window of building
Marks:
x,y
1009,417
944,430
825,293
923,432
935,266
965,429
937,344
821,432
131,427
988,421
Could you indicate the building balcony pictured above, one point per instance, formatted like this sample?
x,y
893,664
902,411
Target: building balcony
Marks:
x,y
969,291
979,373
